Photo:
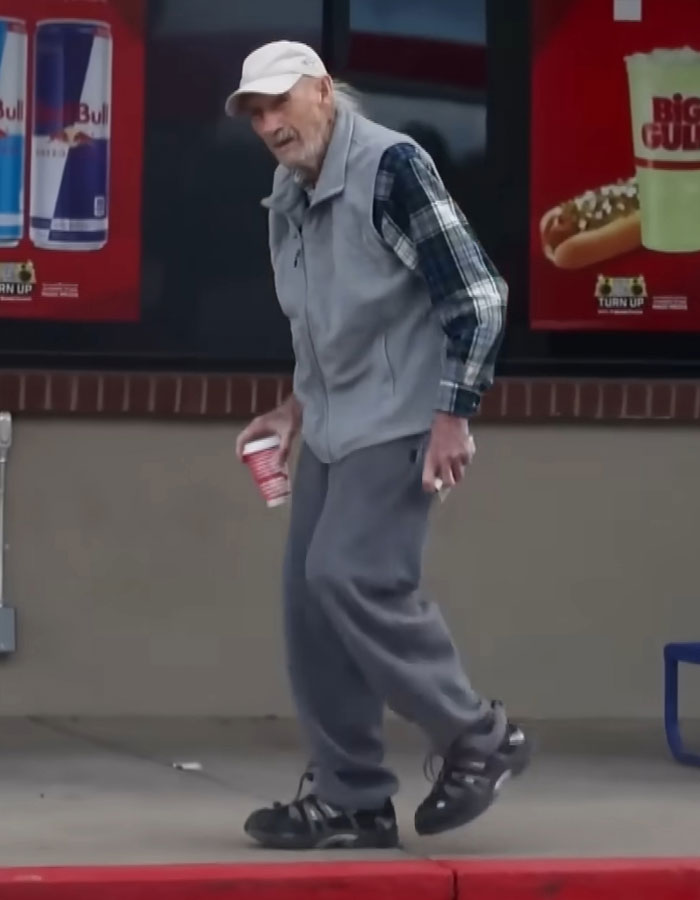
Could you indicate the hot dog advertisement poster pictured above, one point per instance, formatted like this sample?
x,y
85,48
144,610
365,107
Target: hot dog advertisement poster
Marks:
x,y
615,165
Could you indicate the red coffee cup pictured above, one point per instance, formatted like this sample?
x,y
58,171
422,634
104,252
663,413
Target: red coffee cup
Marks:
x,y
272,480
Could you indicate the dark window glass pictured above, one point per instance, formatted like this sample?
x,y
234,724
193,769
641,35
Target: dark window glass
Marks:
x,y
422,69
206,236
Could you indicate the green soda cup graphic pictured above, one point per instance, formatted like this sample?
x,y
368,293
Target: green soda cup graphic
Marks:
x,y
664,88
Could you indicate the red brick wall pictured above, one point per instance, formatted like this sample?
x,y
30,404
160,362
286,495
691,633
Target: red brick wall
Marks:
x,y
240,396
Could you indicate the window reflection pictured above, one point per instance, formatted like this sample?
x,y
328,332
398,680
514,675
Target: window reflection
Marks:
x,y
421,69
206,255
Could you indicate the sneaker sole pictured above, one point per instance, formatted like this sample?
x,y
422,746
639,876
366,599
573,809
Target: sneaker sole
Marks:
x,y
347,841
516,768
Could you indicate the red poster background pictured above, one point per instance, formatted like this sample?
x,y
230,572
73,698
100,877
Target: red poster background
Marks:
x,y
109,280
582,139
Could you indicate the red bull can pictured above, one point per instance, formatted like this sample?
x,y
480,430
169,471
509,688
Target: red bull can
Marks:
x,y
69,193
13,128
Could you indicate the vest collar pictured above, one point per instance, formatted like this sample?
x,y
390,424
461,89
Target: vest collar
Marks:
x,y
287,193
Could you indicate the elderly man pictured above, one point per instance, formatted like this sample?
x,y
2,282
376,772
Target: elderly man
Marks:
x,y
396,315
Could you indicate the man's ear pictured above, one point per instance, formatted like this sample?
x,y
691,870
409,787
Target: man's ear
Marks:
x,y
326,87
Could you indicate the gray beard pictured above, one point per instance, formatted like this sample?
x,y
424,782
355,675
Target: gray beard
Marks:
x,y
314,154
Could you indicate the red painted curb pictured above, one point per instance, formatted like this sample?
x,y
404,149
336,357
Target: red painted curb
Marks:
x,y
580,879
291,881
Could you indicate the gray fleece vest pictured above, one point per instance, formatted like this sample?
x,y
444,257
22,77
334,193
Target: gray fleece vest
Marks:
x,y
367,343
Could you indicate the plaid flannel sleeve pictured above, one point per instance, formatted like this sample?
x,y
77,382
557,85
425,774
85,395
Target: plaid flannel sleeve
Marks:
x,y
419,221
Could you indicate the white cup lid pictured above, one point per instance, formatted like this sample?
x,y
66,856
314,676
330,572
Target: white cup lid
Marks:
x,y
266,443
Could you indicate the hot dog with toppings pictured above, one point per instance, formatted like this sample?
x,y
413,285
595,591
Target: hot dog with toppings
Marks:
x,y
592,227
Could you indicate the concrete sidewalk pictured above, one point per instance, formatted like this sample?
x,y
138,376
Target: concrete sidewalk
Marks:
x,y
104,792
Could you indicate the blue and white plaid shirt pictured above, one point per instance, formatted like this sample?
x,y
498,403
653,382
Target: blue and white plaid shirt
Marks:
x,y
418,219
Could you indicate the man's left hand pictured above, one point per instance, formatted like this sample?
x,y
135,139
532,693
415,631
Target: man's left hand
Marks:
x,y
450,450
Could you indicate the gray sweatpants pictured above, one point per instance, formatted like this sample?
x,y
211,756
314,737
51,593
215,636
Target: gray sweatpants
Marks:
x,y
359,634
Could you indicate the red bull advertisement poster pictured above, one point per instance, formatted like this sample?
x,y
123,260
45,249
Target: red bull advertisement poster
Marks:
x,y
615,165
71,147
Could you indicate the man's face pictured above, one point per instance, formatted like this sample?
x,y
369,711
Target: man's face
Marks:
x,y
295,125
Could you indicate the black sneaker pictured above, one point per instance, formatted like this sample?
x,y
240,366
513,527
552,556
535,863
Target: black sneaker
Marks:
x,y
469,782
309,823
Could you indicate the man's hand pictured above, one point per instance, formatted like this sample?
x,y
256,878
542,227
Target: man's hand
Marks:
x,y
284,421
450,450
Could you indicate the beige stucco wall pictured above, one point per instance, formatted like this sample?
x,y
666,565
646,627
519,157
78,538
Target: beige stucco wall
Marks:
x,y
145,570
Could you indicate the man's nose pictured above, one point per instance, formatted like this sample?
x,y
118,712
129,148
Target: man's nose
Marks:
x,y
270,123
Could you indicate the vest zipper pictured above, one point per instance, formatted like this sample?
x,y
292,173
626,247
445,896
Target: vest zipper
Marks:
x,y
302,258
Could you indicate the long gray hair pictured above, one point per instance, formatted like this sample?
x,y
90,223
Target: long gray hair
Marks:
x,y
347,96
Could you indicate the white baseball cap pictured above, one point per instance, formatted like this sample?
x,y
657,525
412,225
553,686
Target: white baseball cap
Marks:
x,y
274,69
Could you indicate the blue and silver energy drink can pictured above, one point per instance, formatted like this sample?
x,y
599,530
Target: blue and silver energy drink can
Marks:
x,y
69,202
13,128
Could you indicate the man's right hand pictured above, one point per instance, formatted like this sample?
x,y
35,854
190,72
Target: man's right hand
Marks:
x,y
284,421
